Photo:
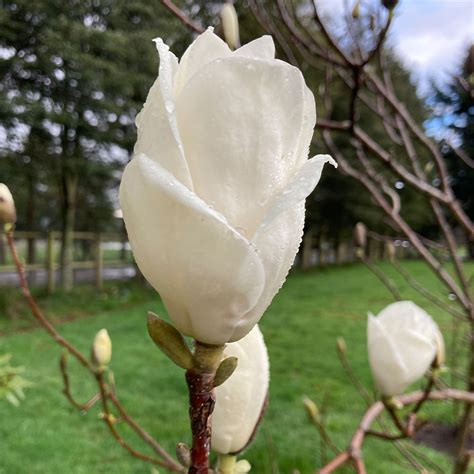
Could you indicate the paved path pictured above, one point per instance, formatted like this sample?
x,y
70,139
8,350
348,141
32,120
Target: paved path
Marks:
x,y
10,279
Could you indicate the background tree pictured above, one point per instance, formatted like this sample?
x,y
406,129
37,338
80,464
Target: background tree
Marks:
x,y
70,91
453,110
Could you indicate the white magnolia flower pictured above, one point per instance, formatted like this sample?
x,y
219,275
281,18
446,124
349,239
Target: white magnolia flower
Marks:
x,y
403,341
7,206
240,400
102,348
213,199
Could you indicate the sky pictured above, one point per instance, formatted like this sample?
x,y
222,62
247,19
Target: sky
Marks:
x,y
431,37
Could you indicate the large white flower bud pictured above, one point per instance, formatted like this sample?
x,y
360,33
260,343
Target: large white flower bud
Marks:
x,y
240,400
403,342
214,197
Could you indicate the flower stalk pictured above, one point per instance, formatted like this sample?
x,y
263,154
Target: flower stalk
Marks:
x,y
200,381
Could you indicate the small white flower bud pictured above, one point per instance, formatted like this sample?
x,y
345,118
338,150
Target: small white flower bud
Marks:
x,y
7,206
102,349
230,25
241,399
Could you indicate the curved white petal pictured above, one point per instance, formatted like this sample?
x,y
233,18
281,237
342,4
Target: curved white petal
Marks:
x,y
299,188
206,48
241,398
241,123
402,336
207,274
418,352
158,135
279,235
388,368
263,48
307,129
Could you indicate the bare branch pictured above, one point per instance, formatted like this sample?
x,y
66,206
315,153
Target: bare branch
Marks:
x,y
185,19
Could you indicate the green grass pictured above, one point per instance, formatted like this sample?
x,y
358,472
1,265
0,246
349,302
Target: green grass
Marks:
x,y
45,435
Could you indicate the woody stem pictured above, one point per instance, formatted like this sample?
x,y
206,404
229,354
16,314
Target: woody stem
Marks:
x,y
200,381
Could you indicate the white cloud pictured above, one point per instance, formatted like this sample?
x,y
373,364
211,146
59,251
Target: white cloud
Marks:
x,y
430,36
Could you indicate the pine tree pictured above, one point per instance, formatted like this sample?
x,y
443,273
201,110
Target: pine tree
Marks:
x,y
74,75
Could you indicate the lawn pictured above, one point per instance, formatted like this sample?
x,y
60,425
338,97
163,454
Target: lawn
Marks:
x,y
45,435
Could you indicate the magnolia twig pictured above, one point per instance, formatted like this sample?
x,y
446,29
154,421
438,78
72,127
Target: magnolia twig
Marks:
x,y
352,454
387,282
182,16
83,407
425,292
104,393
352,376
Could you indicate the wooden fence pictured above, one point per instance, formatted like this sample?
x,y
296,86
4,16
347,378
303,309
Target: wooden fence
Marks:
x,y
49,260
313,252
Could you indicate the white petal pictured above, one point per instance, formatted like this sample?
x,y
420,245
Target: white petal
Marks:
x,y
207,274
206,48
299,188
158,135
309,120
241,398
406,315
414,338
388,368
241,123
263,48
279,235
418,352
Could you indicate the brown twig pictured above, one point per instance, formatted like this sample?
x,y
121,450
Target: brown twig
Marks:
x,y
353,377
104,393
387,282
425,292
352,454
185,19
83,407
110,422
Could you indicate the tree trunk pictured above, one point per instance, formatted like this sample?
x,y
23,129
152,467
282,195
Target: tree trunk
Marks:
x,y
306,260
69,219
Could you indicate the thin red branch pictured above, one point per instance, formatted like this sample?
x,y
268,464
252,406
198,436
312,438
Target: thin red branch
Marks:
x,y
185,19
352,454
104,393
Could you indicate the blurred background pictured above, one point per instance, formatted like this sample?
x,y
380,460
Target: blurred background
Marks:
x,y
73,76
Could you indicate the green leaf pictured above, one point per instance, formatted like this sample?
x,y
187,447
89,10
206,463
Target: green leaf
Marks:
x,y
225,370
170,341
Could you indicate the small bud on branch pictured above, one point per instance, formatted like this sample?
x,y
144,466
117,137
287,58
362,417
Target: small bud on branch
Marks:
x,y
101,349
7,206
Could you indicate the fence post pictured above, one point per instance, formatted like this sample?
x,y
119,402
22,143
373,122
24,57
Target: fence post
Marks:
x,y
99,264
50,263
